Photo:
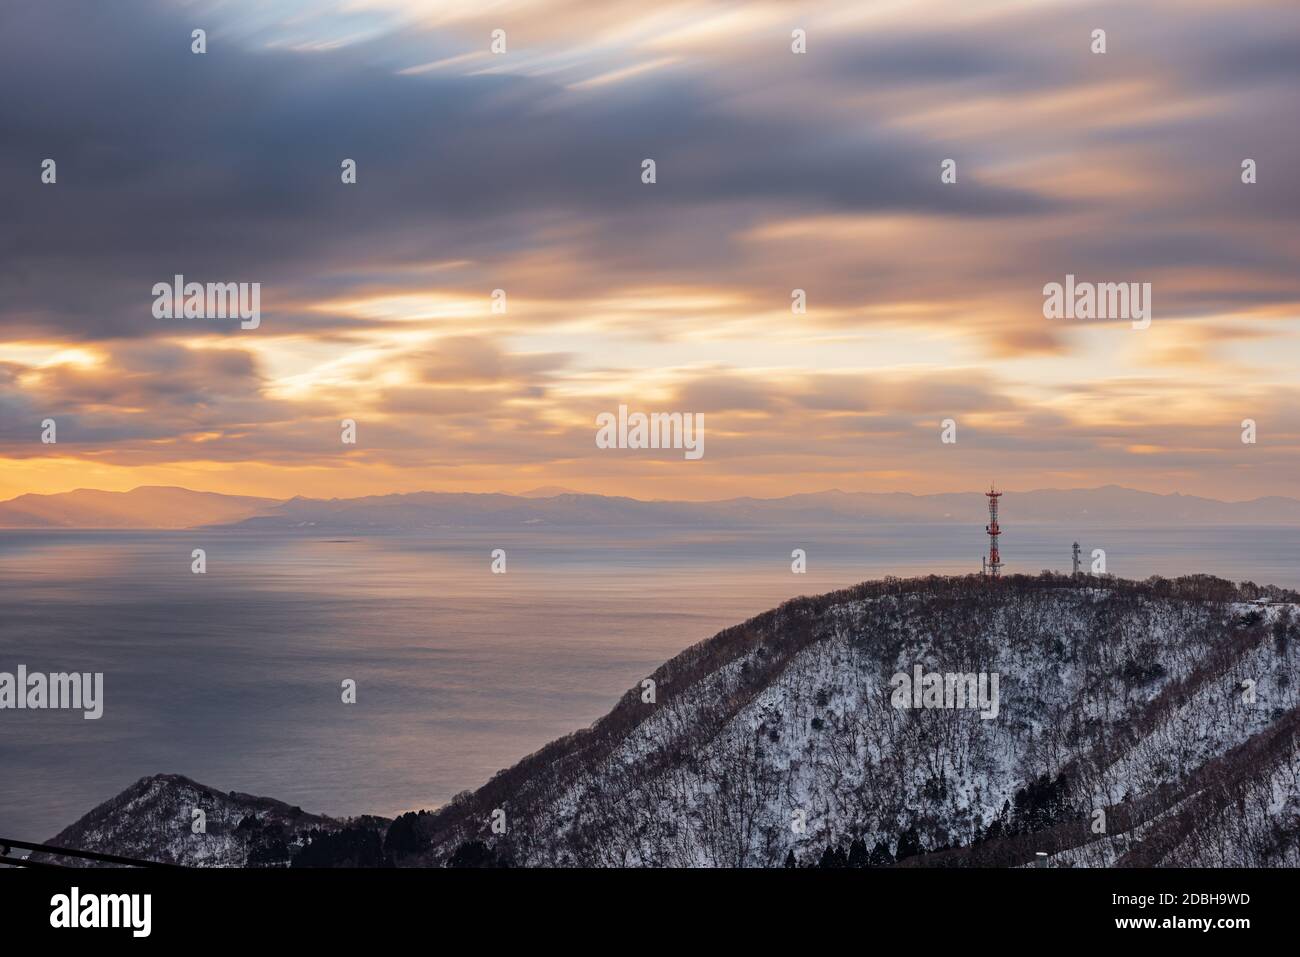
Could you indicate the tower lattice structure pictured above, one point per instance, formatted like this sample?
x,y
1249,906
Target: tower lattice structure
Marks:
x,y
994,566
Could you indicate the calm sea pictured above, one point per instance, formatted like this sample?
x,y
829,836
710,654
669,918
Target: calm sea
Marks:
x,y
233,677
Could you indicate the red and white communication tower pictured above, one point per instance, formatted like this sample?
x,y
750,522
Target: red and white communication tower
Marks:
x,y
994,564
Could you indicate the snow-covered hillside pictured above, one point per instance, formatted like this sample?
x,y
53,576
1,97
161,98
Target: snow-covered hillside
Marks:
x,y
155,820
776,740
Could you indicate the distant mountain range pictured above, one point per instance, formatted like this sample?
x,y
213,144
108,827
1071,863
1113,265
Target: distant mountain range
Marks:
x,y
164,507
150,506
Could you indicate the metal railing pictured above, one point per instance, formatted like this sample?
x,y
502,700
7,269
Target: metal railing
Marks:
x,y
7,845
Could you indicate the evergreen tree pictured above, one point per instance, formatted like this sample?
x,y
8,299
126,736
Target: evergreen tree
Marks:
x,y
858,856
909,844
881,856
833,857
473,854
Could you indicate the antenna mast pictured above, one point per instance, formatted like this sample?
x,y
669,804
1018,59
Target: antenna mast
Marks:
x,y
995,559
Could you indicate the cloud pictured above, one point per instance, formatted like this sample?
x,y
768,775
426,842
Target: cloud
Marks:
x,y
775,172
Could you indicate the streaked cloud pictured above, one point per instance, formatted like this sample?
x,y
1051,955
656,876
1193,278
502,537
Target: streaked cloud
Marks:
x,y
776,172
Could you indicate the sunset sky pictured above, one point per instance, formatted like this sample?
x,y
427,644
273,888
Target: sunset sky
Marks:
x,y
775,171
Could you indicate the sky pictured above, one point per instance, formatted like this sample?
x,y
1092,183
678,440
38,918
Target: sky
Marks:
x,y
774,171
